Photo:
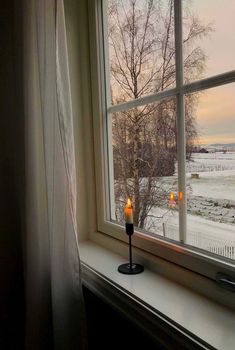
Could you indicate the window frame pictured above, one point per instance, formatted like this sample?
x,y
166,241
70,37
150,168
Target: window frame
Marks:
x,y
192,258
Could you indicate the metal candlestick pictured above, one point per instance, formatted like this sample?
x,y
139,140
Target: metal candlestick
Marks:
x,y
130,268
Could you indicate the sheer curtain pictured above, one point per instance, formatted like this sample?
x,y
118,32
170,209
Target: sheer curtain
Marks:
x,y
54,303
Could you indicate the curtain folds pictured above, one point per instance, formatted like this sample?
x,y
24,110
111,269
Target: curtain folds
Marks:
x,y
55,310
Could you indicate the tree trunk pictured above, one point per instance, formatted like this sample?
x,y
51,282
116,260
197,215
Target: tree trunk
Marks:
x,y
136,140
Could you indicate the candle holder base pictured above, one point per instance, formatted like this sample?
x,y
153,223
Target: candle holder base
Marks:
x,y
129,269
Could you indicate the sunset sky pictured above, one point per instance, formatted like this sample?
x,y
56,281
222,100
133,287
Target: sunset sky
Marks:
x,y
216,109
215,113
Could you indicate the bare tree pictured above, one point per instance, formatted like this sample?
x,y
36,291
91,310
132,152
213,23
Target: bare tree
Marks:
x,y
142,61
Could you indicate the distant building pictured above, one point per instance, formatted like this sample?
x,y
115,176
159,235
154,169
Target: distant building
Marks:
x,y
203,150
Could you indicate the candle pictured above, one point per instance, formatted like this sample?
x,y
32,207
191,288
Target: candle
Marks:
x,y
128,212
130,268
181,196
172,200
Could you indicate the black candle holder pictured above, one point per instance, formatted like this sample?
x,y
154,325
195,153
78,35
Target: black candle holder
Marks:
x,y
130,268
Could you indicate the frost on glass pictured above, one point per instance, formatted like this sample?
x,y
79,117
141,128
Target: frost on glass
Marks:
x,y
145,166
211,173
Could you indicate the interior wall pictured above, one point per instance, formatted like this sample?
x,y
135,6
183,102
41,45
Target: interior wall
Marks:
x,y
112,330
76,16
11,178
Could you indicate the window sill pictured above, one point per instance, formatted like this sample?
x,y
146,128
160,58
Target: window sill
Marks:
x,y
152,300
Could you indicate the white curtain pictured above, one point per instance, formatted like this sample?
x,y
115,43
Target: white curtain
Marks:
x,y
54,303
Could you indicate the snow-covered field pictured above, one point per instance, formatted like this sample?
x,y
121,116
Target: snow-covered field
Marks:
x,y
210,162
214,184
212,195
211,205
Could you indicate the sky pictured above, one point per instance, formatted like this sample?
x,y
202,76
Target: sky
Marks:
x,y
216,108
215,114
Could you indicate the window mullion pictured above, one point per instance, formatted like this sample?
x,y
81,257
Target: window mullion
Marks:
x,y
181,149
108,120
211,82
158,96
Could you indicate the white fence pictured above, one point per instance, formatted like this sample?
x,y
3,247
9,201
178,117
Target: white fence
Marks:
x,y
215,245
220,246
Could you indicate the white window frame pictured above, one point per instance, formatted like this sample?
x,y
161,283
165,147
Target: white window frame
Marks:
x,y
192,258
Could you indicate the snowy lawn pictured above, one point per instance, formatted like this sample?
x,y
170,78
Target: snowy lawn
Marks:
x,y
210,162
212,195
214,184
211,205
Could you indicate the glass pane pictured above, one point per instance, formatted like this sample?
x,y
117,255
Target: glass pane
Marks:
x,y
209,40
144,163
211,170
140,48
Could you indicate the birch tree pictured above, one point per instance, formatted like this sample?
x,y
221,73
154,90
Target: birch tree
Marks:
x,y
142,61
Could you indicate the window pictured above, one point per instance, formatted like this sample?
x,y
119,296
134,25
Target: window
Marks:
x,y
167,132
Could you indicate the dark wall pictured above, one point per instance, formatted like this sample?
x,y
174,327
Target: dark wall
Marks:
x,y
11,175
108,330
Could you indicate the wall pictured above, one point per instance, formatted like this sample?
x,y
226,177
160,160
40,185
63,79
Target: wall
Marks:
x,y
11,178
76,16
107,329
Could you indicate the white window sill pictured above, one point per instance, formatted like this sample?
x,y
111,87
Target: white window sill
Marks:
x,y
196,317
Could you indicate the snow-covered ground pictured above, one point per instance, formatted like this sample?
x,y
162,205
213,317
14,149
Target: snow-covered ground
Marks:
x,y
214,184
211,205
212,195
215,237
210,162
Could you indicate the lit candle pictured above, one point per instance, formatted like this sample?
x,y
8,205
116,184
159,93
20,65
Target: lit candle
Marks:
x,y
172,200
130,268
128,212
181,196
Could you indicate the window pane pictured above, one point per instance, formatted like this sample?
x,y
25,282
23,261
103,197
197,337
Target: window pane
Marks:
x,y
144,163
141,48
209,40
211,170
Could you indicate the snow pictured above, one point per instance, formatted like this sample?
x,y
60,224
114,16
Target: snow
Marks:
x,y
214,230
211,162
212,195
211,205
217,184
197,224
215,237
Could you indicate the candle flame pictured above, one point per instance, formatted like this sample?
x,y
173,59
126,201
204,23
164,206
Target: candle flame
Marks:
x,y
129,204
180,196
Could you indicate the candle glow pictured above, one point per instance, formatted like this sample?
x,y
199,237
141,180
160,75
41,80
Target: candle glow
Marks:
x,y
128,212
180,196
172,200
